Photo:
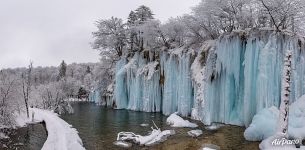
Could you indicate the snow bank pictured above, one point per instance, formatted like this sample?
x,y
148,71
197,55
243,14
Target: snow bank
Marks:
x,y
61,135
3,136
267,144
264,123
176,121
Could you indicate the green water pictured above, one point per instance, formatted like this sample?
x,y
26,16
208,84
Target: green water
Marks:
x,y
31,137
98,128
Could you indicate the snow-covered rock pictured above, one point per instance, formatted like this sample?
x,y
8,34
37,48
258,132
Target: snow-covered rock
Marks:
x,y
176,121
264,124
194,133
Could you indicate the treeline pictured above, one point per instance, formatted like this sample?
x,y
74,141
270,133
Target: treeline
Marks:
x,y
208,20
44,87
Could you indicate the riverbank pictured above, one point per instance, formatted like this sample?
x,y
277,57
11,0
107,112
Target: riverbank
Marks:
x,y
60,135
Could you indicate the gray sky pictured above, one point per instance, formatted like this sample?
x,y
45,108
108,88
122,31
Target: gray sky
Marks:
x,y
47,32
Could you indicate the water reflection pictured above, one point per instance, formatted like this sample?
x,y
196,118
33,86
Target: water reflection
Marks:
x,y
31,137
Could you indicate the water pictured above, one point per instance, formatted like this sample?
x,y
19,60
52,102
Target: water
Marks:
x,y
98,128
31,137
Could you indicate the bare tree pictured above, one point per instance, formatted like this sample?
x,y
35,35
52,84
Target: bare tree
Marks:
x,y
284,14
26,86
6,89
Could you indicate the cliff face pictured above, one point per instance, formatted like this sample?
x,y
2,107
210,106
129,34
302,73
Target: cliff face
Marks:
x,y
229,80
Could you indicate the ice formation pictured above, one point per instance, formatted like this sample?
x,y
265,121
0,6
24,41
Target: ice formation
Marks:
x,y
265,122
227,80
245,76
144,84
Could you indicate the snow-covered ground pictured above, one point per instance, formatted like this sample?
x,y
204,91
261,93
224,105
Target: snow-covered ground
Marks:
x,y
61,135
265,122
176,121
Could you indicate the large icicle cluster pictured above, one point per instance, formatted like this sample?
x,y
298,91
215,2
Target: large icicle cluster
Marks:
x,y
246,76
158,84
177,86
228,81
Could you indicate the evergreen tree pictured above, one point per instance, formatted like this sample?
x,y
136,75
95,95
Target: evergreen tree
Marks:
x,y
143,14
82,93
132,34
88,70
62,70
132,17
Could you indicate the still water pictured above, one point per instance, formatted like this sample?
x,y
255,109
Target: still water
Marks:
x,y
31,137
98,128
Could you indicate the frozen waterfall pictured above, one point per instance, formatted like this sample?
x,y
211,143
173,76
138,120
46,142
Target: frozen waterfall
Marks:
x,y
240,76
246,76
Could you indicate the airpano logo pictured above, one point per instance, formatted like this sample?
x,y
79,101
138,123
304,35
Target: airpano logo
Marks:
x,y
284,141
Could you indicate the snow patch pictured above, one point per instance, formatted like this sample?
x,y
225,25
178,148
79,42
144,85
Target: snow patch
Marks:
x,y
176,121
194,133
3,136
122,144
265,122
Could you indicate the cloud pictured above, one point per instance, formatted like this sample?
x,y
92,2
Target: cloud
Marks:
x,y
50,31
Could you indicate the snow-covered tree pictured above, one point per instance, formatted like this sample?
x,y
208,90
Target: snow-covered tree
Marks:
x,y
110,38
143,14
62,70
26,86
136,20
284,14
284,106
8,83
175,31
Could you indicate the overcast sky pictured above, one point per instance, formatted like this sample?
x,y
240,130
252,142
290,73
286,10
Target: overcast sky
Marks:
x,y
48,32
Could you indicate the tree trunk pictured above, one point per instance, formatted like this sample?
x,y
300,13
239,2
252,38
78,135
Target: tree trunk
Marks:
x,y
284,107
